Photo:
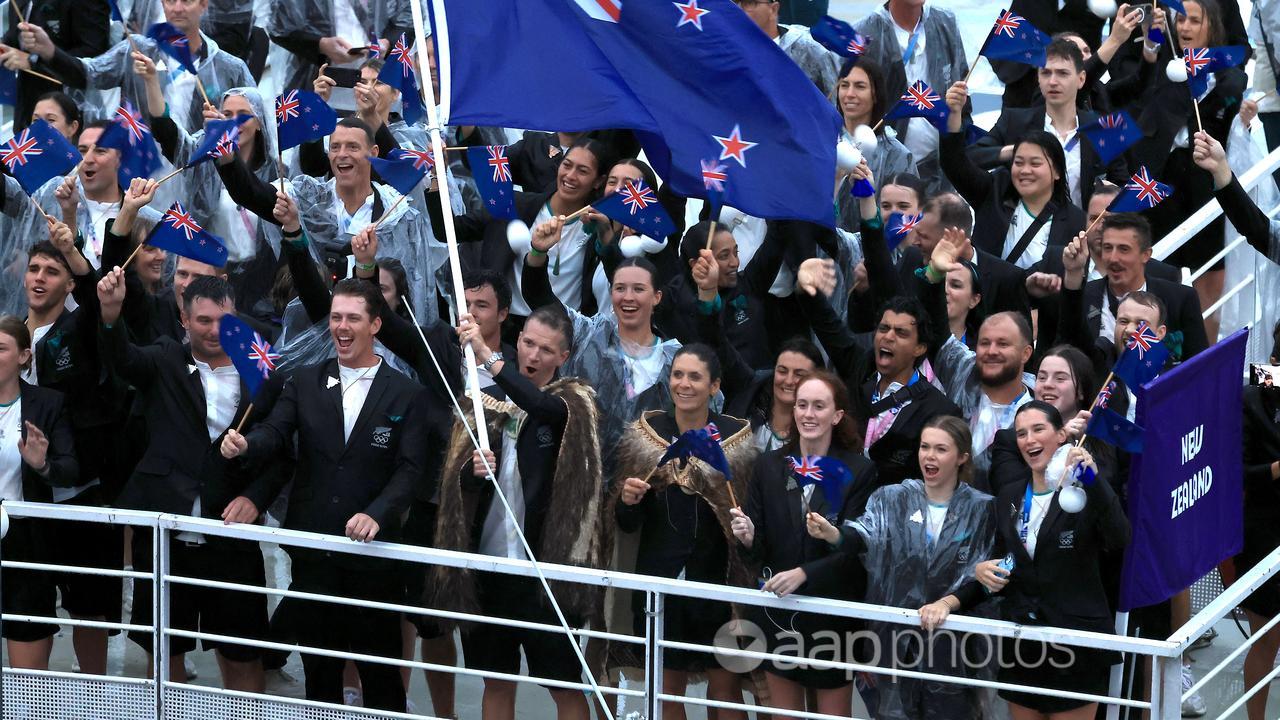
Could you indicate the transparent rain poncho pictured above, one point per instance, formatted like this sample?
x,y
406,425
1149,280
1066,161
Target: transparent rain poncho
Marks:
x,y
887,159
316,18
820,64
113,69
905,569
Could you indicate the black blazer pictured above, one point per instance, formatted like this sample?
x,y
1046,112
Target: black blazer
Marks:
x,y
1015,123
537,449
180,463
1182,312
1261,448
1166,107
994,200
77,30
376,472
1062,586
1003,285
1008,468
775,505
44,408
896,453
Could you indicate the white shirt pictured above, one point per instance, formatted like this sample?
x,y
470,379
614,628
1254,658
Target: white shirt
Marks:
x,y
933,522
564,266
644,371
353,223
10,458
32,375
922,136
355,388
99,213
1072,155
221,396
498,536
1107,323
990,418
1021,221
347,25
1039,508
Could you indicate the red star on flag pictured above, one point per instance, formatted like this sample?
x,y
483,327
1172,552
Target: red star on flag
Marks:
x,y
734,146
690,14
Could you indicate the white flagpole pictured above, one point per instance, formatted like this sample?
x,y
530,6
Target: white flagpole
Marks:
x,y
481,436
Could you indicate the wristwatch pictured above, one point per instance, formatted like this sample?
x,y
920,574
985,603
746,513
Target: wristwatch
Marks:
x,y
494,358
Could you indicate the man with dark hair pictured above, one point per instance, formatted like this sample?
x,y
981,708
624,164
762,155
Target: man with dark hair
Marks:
x,y
192,395
1125,250
545,456
359,426
1050,18
1061,80
65,357
1003,286
1103,195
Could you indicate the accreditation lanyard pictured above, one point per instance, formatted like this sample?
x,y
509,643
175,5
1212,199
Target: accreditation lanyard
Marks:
x,y
1025,525
911,43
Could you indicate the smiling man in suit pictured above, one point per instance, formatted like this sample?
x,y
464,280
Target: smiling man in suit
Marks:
x,y
359,426
190,395
1061,80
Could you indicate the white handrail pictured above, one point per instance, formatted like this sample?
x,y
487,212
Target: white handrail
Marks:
x,y
1212,209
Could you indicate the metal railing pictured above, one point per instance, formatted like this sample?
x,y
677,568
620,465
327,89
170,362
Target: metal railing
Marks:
x,y
168,699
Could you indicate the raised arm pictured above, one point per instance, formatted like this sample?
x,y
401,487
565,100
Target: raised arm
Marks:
x,y
246,189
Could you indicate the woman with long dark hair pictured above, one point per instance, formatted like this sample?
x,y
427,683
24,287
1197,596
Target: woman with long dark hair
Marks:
x,y
769,526
681,516
1058,560
768,402
860,99
1023,212
919,542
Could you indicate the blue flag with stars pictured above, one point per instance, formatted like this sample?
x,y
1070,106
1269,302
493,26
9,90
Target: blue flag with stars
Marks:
x,y
839,37
1202,62
1143,358
1110,427
1142,192
899,227
694,80
221,138
174,43
636,206
301,116
180,234
1110,135
1015,39
139,154
491,169
398,72
701,443
251,355
401,170
828,473
8,87
37,155
920,101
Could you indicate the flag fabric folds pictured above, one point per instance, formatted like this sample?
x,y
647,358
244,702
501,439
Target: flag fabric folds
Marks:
x,y
839,37
1110,135
636,206
1143,358
899,227
1014,38
139,154
491,169
398,72
1202,62
1142,192
8,87
251,355
402,171
174,43
179,233
221,138
1111,427
920,101
301,116
701,443
828,473
715,88
37,155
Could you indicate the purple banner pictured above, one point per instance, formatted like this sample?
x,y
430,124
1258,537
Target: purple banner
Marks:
x,y
1186,490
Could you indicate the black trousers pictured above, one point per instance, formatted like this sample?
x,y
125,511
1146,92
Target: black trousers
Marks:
x,y
347,628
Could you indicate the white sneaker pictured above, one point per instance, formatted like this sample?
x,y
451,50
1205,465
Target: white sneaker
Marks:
x,y
1194,705
352,696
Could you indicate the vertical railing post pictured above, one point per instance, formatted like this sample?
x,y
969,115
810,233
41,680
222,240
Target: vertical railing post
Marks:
x,y
160,613
656,604
1166,687
2,608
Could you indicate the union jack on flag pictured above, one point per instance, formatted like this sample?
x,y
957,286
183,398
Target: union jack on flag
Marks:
x,y
1006,24
713,432
260,351
287,107
131,119
226,145
637,196
900,225
1104,395
714,175
921,96
19,149
1114,120
179,219
375,50
421,158
858,45
500,164
400,54
1144,339
1196,59
1149,191
806,467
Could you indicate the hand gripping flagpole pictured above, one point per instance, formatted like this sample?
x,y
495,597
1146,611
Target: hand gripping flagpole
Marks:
x,y
481,437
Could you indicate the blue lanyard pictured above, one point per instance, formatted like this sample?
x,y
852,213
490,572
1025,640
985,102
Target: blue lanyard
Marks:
x,y
911,43
1026,516
915,378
